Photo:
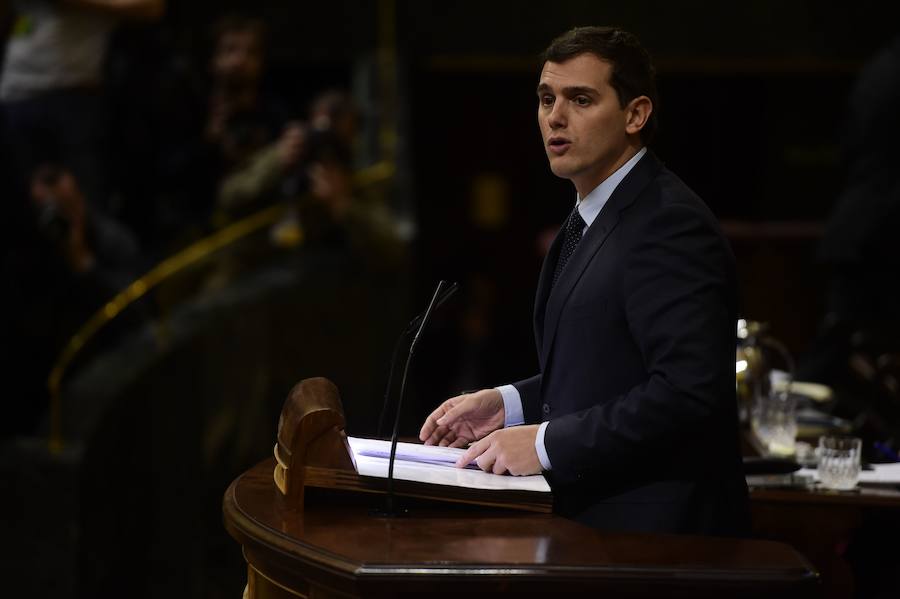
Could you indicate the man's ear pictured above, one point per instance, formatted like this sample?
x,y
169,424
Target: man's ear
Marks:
x,y
637,113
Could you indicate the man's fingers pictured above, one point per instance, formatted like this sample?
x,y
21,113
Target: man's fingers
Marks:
x,y
448,416
475,450
427,428
460,442
436,435
487,459
431,423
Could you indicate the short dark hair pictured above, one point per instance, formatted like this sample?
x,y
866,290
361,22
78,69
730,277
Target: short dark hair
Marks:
x,y
633,74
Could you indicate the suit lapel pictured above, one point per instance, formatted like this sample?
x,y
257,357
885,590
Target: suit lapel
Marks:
x,y
543,288
623,196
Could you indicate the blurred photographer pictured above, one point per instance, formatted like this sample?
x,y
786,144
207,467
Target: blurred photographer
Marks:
x,y
257,145
85,240
75,261
330,208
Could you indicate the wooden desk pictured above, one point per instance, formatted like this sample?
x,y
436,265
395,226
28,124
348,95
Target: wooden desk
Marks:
x,y
841,533
334,548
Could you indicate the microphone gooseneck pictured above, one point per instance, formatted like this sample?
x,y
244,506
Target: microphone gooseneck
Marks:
x,y
414,324
435,301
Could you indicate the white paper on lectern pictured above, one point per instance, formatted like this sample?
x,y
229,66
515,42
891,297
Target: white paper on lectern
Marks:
x,y
881,473
408,452
434,465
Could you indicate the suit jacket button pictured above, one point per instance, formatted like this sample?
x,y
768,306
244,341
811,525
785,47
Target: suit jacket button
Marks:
x,y
545,408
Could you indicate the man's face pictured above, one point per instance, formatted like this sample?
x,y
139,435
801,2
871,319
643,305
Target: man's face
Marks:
x,y
238,58
582,123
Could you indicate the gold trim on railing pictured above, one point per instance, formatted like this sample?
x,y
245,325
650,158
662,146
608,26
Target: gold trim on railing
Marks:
x,y
189,256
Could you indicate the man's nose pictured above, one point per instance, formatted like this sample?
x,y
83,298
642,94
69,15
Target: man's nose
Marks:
x,y
557,117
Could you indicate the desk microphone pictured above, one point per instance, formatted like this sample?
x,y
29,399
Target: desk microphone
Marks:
x,y
440,295
414,324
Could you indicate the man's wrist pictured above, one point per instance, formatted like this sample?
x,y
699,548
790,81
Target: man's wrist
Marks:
x,y
512,406
540,448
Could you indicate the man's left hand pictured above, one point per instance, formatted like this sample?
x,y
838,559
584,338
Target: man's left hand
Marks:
x,y
506,450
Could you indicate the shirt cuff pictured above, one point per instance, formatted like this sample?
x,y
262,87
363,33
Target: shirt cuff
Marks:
x,y
512,406
539,447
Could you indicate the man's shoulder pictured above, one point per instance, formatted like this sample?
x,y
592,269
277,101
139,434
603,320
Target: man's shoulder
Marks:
x,y
668,191
671,187
668,204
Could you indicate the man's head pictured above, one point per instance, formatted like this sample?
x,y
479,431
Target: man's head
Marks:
x,y
596,98
237,60
58,201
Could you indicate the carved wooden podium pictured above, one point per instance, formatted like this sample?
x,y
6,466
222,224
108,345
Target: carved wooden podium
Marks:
x,y
310,533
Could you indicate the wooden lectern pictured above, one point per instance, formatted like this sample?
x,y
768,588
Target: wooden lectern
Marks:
x,y
310,533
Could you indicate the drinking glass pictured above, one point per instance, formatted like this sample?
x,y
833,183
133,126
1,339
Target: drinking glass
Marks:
x,y
839,462
774,422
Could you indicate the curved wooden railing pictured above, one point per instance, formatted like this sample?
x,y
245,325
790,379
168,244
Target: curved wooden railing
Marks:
x,y
182,260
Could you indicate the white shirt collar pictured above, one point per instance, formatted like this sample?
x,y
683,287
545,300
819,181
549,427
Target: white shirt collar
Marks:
x,y
593,203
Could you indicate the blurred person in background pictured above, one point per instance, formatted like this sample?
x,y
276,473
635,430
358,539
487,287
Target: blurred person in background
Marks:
x,y
85,239
51,86
861,248
332,210
224,145
257,143
858,345
78,260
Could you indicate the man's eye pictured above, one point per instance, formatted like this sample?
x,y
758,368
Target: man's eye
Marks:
x,y
582,100
546,100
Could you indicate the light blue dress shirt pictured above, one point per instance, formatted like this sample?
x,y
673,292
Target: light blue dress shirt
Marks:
x,y
588,208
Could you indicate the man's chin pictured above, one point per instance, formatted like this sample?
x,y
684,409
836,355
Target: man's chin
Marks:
x,y
561,168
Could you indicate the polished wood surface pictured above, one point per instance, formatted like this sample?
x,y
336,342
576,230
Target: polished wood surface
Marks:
x,y
862,496
310,433
831,527
335,548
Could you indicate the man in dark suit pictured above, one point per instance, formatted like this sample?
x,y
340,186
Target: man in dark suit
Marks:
x,y
633,415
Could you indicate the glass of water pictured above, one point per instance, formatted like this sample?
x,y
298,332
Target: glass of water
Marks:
x,y
839,462
774,422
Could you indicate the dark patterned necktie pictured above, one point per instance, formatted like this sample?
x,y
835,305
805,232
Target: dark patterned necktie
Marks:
x,y
574,228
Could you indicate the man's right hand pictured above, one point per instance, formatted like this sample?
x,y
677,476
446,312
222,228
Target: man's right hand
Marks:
x,y
463,419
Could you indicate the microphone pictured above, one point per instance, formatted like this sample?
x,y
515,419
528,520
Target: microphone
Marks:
x,y
423,322
445,295
414,324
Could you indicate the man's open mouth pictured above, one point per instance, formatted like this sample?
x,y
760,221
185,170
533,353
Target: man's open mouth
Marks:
x,y
558,145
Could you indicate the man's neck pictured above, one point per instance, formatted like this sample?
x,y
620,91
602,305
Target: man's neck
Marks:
x,y
587,185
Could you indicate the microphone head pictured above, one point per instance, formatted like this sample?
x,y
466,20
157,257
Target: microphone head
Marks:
x,y
442,296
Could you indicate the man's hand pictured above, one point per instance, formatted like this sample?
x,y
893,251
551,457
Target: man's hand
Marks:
x,y
464,418
331,184
508,450
290,145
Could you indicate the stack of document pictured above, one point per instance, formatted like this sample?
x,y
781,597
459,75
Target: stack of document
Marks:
x,y
434,465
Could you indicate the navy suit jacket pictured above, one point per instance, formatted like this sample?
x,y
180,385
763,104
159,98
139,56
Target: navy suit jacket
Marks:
x,y
636,346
